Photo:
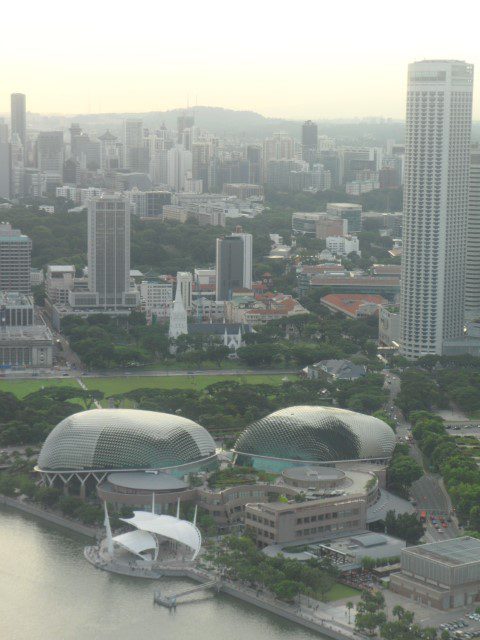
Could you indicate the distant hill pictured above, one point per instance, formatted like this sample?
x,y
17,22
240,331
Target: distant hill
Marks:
x,y
247,125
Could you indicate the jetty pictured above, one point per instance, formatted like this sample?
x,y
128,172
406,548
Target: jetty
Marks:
x,y
171,601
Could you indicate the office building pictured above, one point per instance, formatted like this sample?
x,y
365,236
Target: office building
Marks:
x,y
50,153
472,282
254,156
309,141
18,115
435,207
202,153
109,250
5,170
136,155
229,266
15,259
444,574
149,204
184,121
179,163
352,213
247,240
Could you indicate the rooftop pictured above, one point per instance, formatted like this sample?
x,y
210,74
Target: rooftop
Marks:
x,y
157,481
351,303
454,552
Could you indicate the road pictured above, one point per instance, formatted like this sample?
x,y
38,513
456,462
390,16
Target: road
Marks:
x,y
428,492
73,373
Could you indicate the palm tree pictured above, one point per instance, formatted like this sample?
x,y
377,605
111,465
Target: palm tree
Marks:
x,y
349,606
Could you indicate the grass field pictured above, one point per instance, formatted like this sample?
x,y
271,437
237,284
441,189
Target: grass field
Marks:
x,y
115,385
340,591
22,388
111,386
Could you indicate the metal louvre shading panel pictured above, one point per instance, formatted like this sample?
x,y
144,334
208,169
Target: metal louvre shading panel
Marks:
x,y
124,439
323,434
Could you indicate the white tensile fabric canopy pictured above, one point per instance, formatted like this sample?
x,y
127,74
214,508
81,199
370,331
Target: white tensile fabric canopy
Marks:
x,y
170,527
137,541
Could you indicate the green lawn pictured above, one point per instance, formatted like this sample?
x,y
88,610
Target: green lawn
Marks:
x,y
111,386
22,388
115,385
340,591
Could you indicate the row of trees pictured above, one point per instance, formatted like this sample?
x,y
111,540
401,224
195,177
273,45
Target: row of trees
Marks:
x,y
457,466
29,420
240,559
371,617
402,471
226,407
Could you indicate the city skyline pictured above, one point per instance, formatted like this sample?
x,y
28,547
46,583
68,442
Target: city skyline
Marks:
x,y
344,67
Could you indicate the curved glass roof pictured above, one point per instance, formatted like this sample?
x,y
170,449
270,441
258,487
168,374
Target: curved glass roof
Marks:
x,y
317,434
124,439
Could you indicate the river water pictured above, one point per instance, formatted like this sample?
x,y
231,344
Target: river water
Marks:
x,y
49,592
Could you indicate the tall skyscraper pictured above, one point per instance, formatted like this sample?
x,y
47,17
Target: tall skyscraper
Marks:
x,y
247,240
15,259
184,121
435,206
135,148
109,249
229,266
472,282
19,117
50,152
309,141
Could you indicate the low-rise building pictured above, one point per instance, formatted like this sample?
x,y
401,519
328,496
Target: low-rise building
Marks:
x,y
156,295
330,226
36,277
59,281
336,369
388,287
305,223
23,343
243,191
354,305
444,575
281,523
343,245
257,310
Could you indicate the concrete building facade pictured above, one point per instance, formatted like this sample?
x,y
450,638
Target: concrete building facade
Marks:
x,y
435,208
15,259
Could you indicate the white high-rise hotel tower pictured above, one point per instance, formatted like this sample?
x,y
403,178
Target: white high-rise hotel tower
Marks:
x,y
435,208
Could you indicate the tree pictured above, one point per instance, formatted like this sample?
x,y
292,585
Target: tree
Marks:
x,y
405,526
349,606
402,472
370,612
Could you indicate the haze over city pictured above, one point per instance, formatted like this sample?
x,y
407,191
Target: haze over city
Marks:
x,y
343,61
239,321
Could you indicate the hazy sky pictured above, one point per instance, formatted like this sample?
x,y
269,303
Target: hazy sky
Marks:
x,y
316,59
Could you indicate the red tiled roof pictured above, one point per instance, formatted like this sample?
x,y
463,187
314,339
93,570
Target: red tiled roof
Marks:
x,y
351,303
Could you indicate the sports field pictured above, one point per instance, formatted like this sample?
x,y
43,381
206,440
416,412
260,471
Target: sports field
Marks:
x,y
122,384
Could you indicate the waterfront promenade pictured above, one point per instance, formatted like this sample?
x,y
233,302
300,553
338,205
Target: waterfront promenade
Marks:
x,y
305,612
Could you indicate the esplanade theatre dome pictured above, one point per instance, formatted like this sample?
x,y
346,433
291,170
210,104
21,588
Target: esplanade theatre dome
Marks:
x,y
126,439
314,435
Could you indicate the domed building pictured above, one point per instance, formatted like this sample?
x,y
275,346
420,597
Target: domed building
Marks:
x,y
309,435
83,448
